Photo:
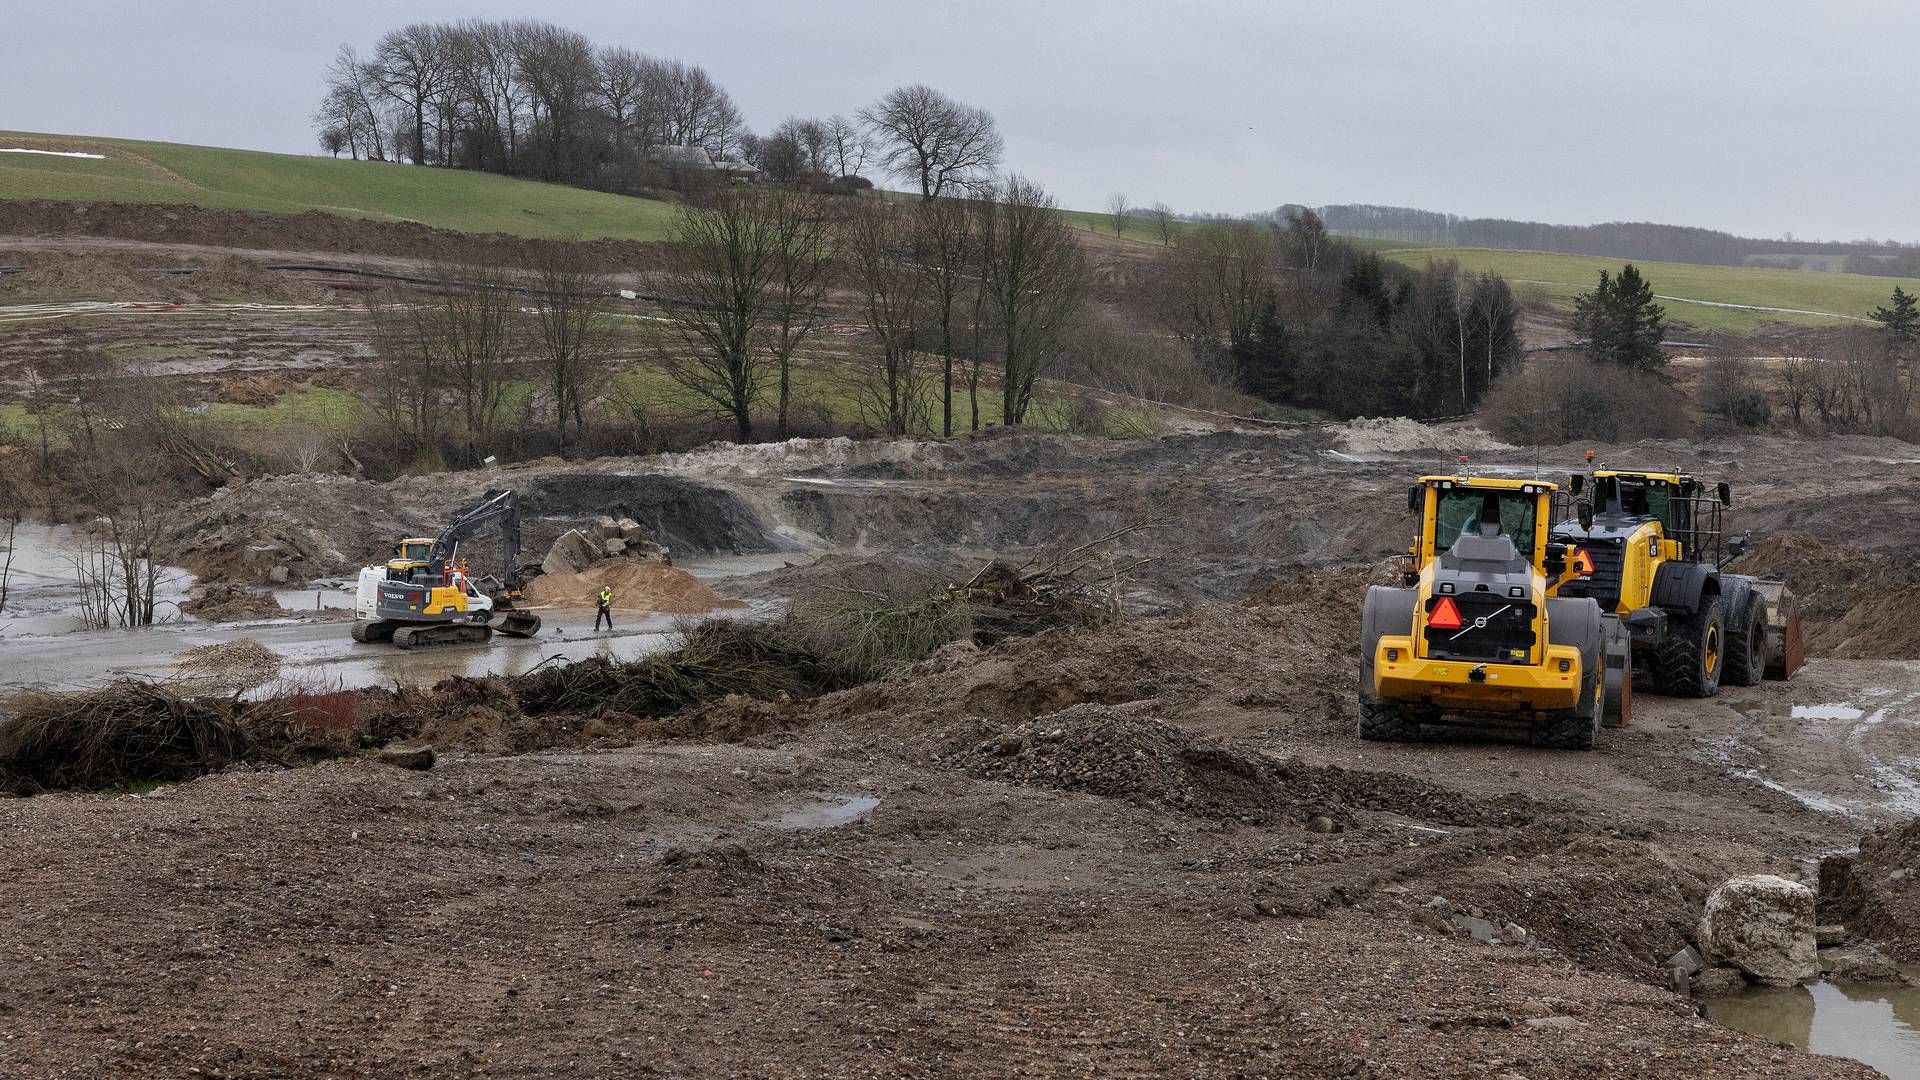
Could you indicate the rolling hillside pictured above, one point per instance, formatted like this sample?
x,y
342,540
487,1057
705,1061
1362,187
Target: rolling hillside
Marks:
x,y
134,171
1711,297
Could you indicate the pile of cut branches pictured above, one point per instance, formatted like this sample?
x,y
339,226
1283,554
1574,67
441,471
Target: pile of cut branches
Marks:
x,y
1078,588
127,733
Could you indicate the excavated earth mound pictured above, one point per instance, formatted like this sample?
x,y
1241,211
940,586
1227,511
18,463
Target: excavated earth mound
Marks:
x,y
636,585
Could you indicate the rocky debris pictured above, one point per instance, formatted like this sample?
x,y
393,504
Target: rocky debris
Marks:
x,y
1683,966
1718,982
570,554
1827,935
418,760
1763,925
1862,963
577,550
219,601
240,664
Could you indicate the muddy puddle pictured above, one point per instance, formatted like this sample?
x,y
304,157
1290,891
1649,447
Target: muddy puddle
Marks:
x,y
826,811
1877,1025
44,595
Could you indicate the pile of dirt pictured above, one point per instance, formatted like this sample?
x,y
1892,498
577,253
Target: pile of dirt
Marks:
x,y
111,275
1856,604
239,664
219,601
1122,754
1397,434
1876,894
637,586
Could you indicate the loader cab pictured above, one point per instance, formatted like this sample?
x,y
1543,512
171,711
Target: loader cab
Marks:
x,y
1452,505
1686,509
410,558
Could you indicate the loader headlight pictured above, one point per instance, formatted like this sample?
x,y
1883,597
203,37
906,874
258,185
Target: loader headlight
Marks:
x,y
1393,656
1566,665
1517,591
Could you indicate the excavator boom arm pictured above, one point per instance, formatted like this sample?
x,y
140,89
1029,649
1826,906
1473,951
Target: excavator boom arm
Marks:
x,y
502,508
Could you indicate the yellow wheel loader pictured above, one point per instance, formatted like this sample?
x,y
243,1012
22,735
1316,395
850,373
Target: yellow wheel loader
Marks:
x,y
425,595
1651,551
1475,636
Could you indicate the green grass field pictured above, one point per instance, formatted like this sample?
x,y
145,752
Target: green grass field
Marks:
x,y
1561,277
136,171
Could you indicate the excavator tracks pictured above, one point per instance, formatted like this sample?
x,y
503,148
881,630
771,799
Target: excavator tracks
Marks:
x,y
421,637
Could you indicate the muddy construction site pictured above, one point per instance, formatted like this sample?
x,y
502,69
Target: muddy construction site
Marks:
x,y
1144,845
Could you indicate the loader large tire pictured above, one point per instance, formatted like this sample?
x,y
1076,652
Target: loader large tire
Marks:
x,y
1746,662
1383,721
1691,660
1575,729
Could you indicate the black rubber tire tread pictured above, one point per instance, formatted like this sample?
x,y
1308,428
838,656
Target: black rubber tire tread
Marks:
x,y
1746,649
1383,721
1574,729
1678,670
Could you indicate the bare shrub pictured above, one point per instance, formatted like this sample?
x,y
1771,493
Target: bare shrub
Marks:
x,y
1555,401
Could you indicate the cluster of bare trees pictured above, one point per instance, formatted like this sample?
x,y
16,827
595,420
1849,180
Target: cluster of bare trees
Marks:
x,y
944,287
1849,381
530,98
456,352
519,97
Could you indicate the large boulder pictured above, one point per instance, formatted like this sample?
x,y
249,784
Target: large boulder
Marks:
x,y
1763,925
570,554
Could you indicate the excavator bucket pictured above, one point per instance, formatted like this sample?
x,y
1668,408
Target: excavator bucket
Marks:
x,y
518,623
1785,649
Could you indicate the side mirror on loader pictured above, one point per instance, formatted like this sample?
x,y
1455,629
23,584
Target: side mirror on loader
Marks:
x,y
1413,497
1577,483
1725,491
1585,510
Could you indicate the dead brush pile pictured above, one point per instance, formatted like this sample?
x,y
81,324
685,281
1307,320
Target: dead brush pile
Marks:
x,y
133,733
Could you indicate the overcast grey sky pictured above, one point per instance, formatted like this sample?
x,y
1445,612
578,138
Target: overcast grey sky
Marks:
x,y
1758,117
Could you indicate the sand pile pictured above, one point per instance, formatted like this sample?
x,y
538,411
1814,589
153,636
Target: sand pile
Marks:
x,y
219,601
1388,435
240,663
637,586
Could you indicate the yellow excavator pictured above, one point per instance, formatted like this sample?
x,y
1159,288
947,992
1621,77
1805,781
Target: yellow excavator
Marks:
x,y
425,594
1653,552
1476,635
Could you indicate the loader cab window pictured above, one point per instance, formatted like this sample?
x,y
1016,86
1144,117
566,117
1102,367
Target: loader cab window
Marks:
x,y
1460,509
1654,499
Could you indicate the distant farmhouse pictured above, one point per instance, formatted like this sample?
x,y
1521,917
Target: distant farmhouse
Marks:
x,y
695,159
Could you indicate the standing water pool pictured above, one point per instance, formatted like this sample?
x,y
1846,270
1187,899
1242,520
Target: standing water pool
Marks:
x,y
1874,1024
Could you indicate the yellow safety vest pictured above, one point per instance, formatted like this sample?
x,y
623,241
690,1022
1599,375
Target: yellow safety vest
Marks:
x,y
606,598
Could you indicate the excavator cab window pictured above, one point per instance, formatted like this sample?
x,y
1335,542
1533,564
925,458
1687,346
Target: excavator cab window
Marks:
x,y
415,552
1459,508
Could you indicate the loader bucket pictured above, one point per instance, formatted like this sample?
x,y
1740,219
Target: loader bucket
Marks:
x,y
521,624
1785,649
1617,651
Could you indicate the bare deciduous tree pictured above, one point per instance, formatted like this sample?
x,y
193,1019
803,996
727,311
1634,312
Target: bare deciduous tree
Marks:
x,y
475,322
1117,210
933,140
1161,215
114,557
880,249
723,264
945,247
572,332
409,392
1218,280
410,66
803,239
847,146
1036,277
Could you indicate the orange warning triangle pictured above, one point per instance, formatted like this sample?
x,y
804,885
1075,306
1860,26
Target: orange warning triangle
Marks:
x,y
1583,563
1445,616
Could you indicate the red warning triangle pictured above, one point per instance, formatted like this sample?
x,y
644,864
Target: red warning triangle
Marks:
x,y
1445,615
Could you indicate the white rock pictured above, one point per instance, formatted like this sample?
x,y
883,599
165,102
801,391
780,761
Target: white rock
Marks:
x,y
1763,925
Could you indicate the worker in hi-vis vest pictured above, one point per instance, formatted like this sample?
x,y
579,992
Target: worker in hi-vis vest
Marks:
x,y
605,610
